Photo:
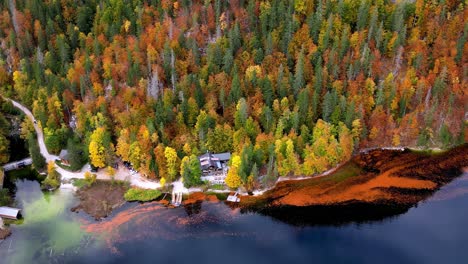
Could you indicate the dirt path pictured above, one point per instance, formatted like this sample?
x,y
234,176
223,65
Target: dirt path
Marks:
x,y
121,174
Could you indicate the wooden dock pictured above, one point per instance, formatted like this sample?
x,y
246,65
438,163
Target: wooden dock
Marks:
x,y
233,198
9,212
17,164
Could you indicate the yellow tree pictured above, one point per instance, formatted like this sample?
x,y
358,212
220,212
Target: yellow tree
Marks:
x,y
346,142
171,162
4,151
51,172
233,179
313,164
160,161
146,145
111,171
123,146
135,155
97,154
52,180
22,88
287,159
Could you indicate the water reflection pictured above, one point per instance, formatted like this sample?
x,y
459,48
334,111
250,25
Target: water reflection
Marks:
x,y
432,232
48,231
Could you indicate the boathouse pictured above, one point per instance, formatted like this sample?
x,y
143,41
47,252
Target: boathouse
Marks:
x,y
9,212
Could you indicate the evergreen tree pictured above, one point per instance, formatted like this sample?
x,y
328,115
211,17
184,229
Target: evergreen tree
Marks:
x,y
38,160
76,155
299,80
235,93
190,170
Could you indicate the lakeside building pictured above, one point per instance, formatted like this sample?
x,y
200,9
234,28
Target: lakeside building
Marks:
x,y
214,167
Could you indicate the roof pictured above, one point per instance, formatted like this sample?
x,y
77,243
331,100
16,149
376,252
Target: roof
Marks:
x,y
208,160
63,154
222,156
9,212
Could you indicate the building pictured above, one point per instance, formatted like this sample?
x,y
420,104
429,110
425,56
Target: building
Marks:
x,y
10,212
214,166
64,158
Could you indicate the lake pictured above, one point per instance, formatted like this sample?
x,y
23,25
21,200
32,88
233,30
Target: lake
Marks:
x,y
432,232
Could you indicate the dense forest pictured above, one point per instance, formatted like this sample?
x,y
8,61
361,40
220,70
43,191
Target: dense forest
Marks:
x,y
289,87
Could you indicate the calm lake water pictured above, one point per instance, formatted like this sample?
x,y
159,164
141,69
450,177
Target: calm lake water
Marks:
x,y
433,232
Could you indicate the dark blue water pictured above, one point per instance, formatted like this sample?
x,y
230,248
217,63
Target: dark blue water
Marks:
x,y
433,232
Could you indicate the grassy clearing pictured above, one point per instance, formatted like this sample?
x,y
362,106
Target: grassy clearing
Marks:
x,y
141,195
347,171
218,187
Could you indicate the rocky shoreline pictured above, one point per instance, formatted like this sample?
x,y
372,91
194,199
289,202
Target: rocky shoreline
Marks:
x,y
373,185
99,199
388,182
4,233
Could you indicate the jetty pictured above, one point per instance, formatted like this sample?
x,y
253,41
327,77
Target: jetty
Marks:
x,y
17,164
177,192
10,212
233,198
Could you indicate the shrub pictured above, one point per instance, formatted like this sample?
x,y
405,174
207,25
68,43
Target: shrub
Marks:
x,y
5,197
90,178
79,183
141,195
50,184
52,181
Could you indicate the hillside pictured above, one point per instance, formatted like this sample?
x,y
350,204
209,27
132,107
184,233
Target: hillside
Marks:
x,y
288,87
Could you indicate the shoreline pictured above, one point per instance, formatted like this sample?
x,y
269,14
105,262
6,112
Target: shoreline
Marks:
x,y
387,177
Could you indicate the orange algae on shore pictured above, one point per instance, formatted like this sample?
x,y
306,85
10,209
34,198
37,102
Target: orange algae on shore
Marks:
x,y
152,220
386,176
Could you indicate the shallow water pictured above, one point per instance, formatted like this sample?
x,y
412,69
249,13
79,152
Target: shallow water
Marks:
x,y
432,232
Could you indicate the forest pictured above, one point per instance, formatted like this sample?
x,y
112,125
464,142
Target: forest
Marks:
x,y
289,87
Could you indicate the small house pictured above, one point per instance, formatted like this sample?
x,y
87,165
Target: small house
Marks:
x,y
64,158
214,162
214,166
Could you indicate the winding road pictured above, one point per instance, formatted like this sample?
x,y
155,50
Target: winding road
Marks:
x,y
122,173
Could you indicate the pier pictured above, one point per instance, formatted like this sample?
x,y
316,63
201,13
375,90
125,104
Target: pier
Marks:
x,y
17,164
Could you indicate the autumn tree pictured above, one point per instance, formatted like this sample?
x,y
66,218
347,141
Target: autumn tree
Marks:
x,y
171,163
287,159
233,179
4,149
52,181
190,170
99,147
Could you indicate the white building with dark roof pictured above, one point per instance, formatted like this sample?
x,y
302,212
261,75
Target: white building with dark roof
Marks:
x,y
214,166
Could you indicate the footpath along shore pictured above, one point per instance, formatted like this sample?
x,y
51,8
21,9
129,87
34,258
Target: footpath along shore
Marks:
x,y
122,173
